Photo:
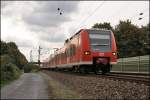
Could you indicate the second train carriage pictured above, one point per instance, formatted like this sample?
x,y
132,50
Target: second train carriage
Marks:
x,y
87,50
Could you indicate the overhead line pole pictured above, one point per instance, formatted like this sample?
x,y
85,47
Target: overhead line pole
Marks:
x,y
39,51
31,60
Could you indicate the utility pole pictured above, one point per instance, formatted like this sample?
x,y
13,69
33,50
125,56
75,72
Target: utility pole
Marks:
x,y
55,52
31,60
39,51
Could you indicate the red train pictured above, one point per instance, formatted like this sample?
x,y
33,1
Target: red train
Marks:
x,y
89,50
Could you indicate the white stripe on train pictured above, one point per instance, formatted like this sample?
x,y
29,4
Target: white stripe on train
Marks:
x,y
73,64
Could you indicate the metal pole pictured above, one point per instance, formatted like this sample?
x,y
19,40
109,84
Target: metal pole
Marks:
x,y
139,64
31,56
39,51
121,64
55,53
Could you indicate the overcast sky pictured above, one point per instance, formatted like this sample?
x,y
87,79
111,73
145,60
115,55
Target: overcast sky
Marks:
x,y
33,23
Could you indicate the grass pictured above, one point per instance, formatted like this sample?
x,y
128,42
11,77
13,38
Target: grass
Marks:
x,y
6,82
58,90
8,70
3,83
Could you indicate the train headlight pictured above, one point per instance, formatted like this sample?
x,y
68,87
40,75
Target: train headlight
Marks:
x,y
87,53
114,53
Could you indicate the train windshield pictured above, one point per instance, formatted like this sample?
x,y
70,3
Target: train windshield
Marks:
x,y
100,40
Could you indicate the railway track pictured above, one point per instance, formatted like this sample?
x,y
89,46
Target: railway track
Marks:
x,y
131,78
128,77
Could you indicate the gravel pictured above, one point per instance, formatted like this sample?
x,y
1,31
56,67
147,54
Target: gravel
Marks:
x,y
101,88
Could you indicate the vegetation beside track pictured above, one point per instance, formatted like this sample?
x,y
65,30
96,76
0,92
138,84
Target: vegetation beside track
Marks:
x,y
31,68
12,62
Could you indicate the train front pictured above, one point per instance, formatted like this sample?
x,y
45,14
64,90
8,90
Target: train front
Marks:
x,y
102,49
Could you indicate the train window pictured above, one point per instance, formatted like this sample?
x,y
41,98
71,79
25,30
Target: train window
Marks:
x,y
99,36
65,53
100,40
72,50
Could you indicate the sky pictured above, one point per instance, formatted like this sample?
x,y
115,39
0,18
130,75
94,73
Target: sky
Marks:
x,y
31,24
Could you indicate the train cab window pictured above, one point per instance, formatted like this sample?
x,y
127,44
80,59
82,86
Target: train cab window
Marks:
x,y
100,40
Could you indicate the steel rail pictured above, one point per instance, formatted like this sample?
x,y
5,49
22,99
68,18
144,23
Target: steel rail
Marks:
x,y
123,77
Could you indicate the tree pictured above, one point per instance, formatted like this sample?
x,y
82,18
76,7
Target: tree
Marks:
x,y
12,45
129,39
103,25
13,52
146,38
4,48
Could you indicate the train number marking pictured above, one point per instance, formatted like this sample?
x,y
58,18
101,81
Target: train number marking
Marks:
x,y
101,54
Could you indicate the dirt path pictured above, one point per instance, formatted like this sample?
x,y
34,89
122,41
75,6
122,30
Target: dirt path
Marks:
x,y
28,86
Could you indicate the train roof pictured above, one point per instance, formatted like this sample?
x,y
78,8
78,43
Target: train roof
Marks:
x,y
92,29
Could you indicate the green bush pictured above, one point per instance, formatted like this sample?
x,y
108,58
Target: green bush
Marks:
x,y
9,72
31,68
11,49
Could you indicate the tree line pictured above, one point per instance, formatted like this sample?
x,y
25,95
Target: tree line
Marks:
x,y
10,49
131,40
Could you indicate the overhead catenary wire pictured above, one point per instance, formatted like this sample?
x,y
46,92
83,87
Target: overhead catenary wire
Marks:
x,y
137,14
89,16
43,52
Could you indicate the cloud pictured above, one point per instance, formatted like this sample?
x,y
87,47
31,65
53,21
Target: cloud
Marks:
x,y
53,35
41,18
20,43
46,22
45,14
